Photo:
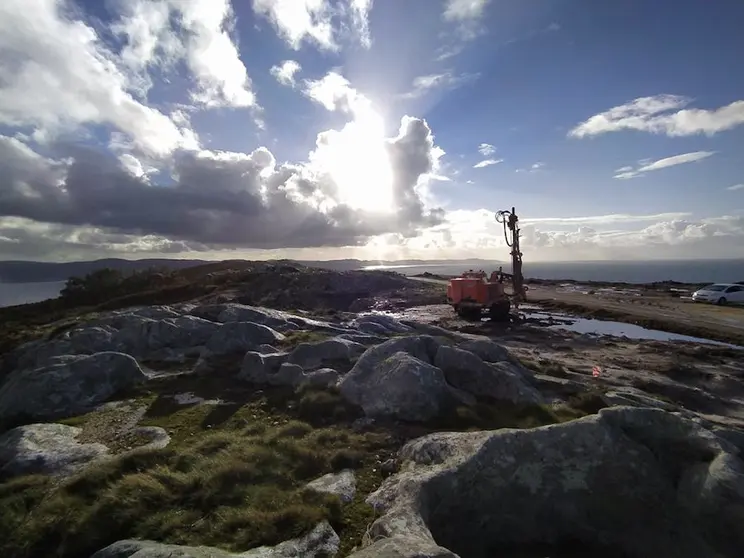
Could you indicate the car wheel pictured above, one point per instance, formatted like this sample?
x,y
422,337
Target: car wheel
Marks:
x,y
721,301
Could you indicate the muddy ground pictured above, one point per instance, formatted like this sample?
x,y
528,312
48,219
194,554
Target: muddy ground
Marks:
x,y
662,306
665,310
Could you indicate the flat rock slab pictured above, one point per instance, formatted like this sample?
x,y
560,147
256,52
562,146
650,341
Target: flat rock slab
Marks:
x,y
46,449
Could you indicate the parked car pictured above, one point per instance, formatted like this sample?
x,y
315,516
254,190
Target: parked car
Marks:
x,y
720,293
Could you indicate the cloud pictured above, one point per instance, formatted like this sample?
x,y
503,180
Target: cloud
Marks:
x,y
335,93
487,163
312,21
475,233
163,32
606,219
464,10
486,149
446,80
736,187
62,77
625,173
218,199
284,73
662,114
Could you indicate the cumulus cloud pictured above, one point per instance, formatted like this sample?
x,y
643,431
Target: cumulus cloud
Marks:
x,y
467,233
443,81
662,114
486,149
464,10
334,92
625,173
312,21
487,163
219,199
58,75
163,32
285,72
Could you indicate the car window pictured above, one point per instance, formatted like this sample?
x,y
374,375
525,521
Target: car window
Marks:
x,y
714,288
733,289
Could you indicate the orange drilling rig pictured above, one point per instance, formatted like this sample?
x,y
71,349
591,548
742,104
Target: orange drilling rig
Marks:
x,y
473,293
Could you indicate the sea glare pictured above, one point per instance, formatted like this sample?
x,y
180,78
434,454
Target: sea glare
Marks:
x,y
691,271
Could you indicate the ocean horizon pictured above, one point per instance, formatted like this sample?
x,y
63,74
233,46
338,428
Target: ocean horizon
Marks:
x,y
692,271
683,271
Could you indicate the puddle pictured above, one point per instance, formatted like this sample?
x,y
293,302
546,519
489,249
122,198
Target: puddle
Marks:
x,y
589,326
189,398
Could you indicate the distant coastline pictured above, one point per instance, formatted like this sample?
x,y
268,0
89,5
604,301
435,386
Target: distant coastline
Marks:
x,y
27,282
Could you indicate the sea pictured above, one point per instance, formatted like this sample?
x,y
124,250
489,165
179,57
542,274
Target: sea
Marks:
x,y
684,271
24,293
688,271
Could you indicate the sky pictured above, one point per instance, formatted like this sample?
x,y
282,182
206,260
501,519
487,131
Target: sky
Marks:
x,y
371,129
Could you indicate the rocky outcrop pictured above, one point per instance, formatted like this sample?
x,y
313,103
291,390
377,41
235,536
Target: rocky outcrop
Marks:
x,y
416,378
631,482
275,319
501,381
45,449
341,484
401,386
272,369
632,397
330,351
379,324
321,542
160,339
77,341
236,337
67,386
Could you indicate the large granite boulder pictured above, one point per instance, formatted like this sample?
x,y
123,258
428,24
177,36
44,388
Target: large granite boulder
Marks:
x,y
273,369
236,337
68,385
321,542
45,449
77,341
417,377
159,338
630,482
501,381
403,387
329,351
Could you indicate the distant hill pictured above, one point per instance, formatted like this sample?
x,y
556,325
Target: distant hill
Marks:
x,y
37,272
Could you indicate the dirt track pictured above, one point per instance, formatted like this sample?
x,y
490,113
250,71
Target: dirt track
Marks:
x,y
649,308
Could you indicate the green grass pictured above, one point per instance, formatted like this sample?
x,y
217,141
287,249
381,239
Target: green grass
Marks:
x,y
234,474
230,489
294,338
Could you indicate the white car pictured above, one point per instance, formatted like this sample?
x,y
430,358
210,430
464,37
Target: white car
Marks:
x,y
720,293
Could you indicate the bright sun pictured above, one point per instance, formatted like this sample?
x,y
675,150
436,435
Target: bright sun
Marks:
x,y
359,164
